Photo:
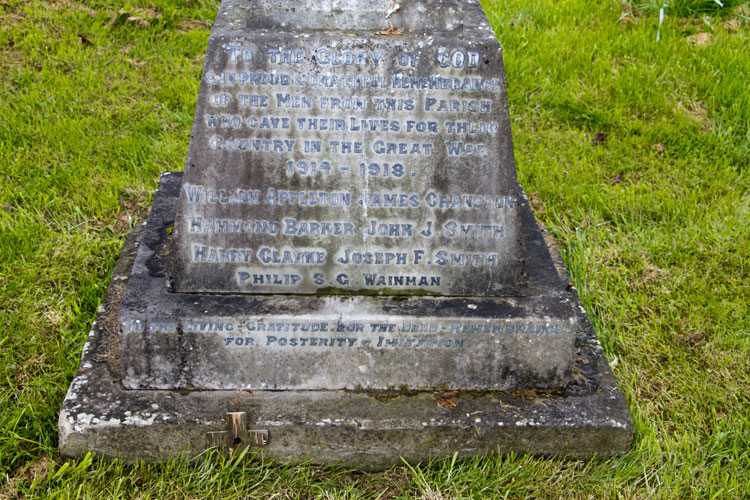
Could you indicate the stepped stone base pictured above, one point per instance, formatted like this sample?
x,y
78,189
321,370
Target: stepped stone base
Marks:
x,y
364,429
200,341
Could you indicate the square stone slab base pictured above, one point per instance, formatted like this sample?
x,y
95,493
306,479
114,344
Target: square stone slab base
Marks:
x,y
368,430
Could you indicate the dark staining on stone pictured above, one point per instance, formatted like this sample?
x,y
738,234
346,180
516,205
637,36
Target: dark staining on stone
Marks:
x,y
183,349
388,395
161,255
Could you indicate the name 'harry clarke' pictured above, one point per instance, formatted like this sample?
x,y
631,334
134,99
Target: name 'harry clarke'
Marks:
x,y
270,256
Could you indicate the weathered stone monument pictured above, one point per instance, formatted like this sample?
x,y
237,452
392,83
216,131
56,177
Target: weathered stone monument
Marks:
x,y
347,270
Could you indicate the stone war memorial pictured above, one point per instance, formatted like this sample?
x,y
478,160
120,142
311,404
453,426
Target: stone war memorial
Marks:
x,y
347,271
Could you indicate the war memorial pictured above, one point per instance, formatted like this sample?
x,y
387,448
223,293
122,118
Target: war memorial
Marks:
x,y
347,271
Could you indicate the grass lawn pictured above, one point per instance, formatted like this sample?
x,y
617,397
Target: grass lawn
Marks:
x,y
635,154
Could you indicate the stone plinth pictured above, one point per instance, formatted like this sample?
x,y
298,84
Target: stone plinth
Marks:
x,y
369,430
209,341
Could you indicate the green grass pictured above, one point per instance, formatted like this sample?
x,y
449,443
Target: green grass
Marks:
x,y
94,107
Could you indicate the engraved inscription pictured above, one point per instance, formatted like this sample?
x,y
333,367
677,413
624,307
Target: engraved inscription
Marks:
x,y
355,165
252,332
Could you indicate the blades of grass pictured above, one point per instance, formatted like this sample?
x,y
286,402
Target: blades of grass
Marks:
x,y
661,21
61,471
420,479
